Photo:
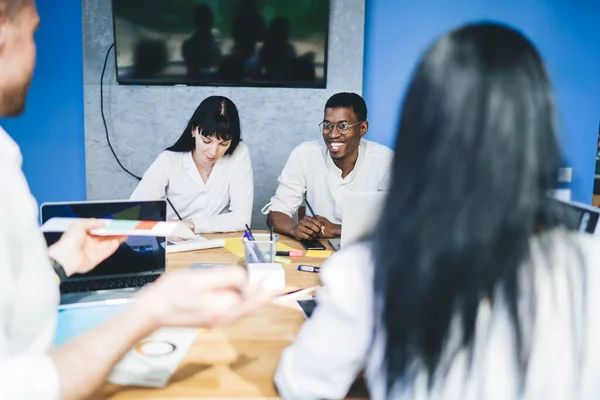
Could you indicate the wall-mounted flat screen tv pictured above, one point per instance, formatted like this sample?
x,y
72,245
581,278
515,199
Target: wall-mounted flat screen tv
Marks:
x,y
273,43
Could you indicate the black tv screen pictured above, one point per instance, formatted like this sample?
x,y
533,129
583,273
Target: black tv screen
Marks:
x,y
276,43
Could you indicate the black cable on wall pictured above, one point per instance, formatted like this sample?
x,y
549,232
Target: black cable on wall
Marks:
x,y
104,118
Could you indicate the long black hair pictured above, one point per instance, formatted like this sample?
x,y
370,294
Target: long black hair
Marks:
x,y
216,116
476,154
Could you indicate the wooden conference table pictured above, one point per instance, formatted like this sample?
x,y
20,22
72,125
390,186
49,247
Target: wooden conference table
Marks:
x,y
238,361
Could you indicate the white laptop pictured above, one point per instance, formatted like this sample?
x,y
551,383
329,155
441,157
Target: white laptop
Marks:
x,y
138,261
361,212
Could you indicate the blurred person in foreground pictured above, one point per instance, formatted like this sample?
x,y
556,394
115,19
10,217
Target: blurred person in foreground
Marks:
x,y
29,368
471,287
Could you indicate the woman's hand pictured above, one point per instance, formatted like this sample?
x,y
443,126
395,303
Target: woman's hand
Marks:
x,y
189,223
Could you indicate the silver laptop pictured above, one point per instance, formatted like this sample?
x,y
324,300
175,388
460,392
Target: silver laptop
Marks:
x,y
365,209
361,211
335,243
581,217
137,262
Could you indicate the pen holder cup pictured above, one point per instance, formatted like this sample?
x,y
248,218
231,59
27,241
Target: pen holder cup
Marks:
x,y
262,249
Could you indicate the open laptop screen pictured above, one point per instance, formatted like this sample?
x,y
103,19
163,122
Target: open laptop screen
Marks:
x,y
137,255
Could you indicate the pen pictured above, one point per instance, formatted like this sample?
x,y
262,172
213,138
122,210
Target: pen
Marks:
x,y
254,247
297,292
308,268
309,207
174,209
248,232
270,223
312,212
251,251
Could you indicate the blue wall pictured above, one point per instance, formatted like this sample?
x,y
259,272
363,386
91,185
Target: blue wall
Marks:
x,y
51,131
566,33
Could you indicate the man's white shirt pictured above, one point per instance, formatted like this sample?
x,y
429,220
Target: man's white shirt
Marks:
x,y
311,170
28,288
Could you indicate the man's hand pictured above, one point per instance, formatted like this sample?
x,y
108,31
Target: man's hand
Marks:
x,y
307,228
330,230
201,298
186,297
78,251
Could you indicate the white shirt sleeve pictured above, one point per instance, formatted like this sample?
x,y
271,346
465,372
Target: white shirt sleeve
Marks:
x,y
28,292
155,181
330,349
28,377
384,183
292,186
589,254
241,195
386,160
28,374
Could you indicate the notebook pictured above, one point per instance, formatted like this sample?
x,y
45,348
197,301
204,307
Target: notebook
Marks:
x,y
197,243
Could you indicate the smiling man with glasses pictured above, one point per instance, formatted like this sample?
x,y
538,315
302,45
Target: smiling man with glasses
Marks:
x,y
326,170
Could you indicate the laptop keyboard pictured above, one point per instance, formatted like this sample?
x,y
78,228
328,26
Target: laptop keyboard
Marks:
x,y
121,282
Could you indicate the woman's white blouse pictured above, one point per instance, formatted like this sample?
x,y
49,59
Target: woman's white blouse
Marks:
x,y
559,301
222,204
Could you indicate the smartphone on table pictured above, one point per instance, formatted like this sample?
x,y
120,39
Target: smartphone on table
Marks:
x,y
312,244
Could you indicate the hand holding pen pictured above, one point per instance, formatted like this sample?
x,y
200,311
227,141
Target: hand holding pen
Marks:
x,y
307,228
316,226
310,225
329,229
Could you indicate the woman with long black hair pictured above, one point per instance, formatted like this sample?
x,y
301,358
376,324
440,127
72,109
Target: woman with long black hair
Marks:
x,y
470,288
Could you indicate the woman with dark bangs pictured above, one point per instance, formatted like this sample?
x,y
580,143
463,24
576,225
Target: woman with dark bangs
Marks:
x,y
206,174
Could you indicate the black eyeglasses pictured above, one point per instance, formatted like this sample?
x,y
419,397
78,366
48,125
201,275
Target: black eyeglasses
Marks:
x,y
342,127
